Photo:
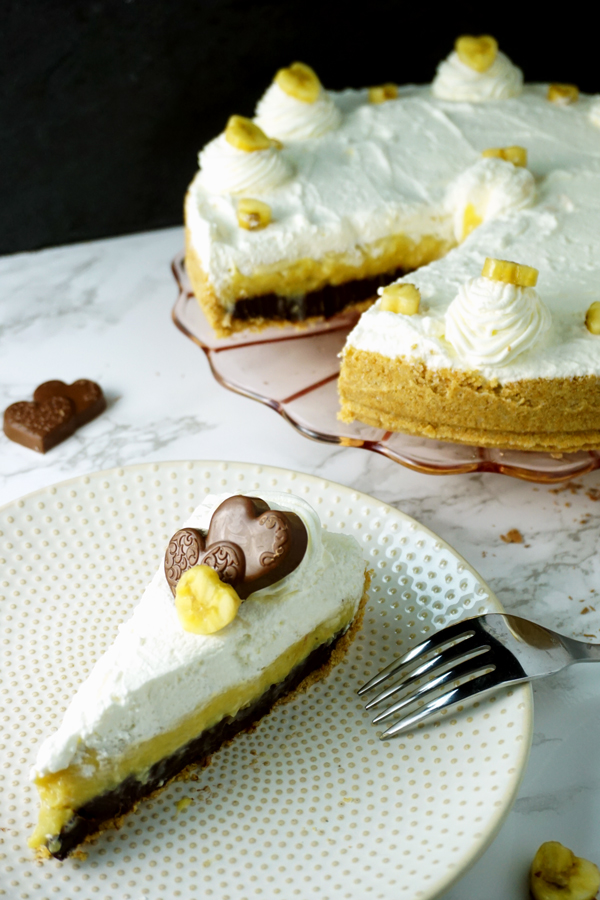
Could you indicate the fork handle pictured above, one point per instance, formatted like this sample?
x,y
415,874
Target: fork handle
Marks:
x,y
581,651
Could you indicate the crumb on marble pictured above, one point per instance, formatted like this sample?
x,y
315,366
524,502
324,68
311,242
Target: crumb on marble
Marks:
x,y
572,486
513,536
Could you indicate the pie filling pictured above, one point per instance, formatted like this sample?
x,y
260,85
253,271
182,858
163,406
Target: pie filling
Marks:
x,y
307,288
326,302
359,263
76,800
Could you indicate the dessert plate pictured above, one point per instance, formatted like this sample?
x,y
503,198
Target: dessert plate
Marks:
x,y
311,803
294,371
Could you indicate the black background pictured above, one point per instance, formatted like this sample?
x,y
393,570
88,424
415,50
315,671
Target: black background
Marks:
x,y
105,103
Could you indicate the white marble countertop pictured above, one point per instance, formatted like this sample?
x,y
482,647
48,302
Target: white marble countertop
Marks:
x,y
102,311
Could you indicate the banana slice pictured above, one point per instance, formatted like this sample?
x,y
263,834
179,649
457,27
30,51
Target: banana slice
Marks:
x,y
477,53
516,155
299,81
592,318
471,220
401,298
563,94
253,214
510,272
557,874
244,134
382,92
203,602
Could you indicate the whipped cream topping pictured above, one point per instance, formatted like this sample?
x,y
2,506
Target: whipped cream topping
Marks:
x,y
153,674
386,170
491,188
226,170
490,323
455,80
559,237
288,119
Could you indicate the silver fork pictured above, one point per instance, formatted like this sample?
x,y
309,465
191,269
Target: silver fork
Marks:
x,y
491,651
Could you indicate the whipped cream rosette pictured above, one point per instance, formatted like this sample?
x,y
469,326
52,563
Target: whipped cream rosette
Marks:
x,y
486,190
490,322
297,115
459,78
594,114
242,160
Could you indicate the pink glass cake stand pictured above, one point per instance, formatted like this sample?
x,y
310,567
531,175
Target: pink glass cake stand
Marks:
x,y
294,371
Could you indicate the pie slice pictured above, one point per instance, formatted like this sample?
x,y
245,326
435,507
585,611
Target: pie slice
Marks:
x,y
163,697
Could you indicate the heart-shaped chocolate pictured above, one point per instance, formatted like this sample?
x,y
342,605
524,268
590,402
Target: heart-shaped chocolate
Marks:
x,y
86,395
228,560
184,551
56,411
249,544
187,548
40,426
274,542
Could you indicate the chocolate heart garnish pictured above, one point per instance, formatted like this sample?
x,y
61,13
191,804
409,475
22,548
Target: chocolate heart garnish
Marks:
x,y
57,410
40,426
227,560
268,544
187,549
86,395
184,551
274,542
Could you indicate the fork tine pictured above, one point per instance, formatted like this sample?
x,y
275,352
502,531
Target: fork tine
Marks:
x,y
451,633
451,655
479,685
462,669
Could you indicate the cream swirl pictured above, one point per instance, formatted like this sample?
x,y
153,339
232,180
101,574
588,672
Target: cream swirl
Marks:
x,y
227,170
289,119
490,187
455,80
490,323
594,114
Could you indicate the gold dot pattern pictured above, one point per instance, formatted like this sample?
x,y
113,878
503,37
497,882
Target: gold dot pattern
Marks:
x,y
312,804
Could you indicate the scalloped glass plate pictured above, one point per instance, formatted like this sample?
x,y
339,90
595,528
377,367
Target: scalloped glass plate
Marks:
x,y
310,803
294,371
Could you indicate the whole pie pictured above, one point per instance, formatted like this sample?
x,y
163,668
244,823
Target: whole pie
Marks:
x,y
485,189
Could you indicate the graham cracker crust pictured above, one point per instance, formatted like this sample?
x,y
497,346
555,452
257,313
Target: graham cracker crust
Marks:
x,y
545,415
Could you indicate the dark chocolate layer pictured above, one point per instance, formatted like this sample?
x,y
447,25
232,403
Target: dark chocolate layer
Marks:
x,y
90,817
327,301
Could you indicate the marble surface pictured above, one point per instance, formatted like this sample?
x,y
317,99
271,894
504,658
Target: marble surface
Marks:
x,y
102,311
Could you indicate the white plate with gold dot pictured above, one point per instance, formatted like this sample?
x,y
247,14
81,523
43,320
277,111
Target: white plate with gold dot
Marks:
x,y
310,805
